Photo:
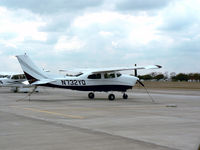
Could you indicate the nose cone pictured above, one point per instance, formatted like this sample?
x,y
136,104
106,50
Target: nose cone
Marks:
x,y
132,80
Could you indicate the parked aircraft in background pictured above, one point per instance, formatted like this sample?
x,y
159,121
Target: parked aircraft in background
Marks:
x,y
95,80
17,81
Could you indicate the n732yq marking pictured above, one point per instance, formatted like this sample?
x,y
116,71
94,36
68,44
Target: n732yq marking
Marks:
x,y
92,80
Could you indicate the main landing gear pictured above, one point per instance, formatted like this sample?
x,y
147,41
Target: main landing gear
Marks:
x,y
91,95
111,96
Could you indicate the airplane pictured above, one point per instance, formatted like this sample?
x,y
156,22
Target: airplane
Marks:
x,y
95,80
17,82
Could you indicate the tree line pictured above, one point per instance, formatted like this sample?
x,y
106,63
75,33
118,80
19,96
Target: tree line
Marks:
x,y
172,76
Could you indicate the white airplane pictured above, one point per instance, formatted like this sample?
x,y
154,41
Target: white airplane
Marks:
x,y
17,81
96,80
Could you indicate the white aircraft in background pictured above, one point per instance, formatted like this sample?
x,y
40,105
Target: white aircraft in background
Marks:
x,y
17,81
96,80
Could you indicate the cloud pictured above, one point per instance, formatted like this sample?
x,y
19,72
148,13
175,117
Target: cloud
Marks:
x,y
69,44
50,6
15,27
57,22
181,15
141,5
102,33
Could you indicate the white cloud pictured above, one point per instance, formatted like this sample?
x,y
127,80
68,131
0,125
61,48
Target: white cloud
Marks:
x,y
20,26
103,33
66,43
137,29
11,64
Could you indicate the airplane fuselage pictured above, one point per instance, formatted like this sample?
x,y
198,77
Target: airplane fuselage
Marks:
x,y
102,84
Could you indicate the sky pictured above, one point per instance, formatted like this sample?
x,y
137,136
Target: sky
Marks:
x,y
66,34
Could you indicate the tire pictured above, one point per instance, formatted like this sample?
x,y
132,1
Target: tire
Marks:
x,y
91,95
125,96
15,90
111,97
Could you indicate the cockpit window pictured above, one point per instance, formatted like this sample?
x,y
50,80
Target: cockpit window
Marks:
x,y
22,76
109,75
95,76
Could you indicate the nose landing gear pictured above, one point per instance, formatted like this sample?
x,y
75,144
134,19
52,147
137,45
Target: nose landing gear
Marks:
x,y
125,96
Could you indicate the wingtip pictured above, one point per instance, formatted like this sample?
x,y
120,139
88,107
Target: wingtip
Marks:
x,y
159,66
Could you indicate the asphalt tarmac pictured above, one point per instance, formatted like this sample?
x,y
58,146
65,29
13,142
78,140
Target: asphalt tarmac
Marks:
x,y
63,119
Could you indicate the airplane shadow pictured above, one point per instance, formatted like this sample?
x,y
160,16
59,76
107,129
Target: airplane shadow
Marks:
x,y
138,101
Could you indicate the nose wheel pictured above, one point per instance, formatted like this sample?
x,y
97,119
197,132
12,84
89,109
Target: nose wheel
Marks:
x,y
125,96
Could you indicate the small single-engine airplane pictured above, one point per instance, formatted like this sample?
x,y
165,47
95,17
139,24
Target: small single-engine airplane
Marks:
x,y
17,81
96,80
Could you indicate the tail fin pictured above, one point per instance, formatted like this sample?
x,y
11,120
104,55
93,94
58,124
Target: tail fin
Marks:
x,y
31,71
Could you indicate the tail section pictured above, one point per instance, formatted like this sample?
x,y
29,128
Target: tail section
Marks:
x,y
31,71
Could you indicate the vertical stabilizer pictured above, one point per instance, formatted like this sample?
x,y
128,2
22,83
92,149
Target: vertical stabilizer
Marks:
x,y
31,71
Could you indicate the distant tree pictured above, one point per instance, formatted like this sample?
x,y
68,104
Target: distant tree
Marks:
x,y
180,77
159,77
145,77
194,76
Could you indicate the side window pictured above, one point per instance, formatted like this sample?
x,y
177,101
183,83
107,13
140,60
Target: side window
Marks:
x,y
15,77
109,75
94,76
22,76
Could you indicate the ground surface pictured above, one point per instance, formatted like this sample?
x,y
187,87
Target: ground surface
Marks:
x,y
63,119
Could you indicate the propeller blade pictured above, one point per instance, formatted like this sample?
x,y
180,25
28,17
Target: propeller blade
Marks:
x,y
140,82
135,70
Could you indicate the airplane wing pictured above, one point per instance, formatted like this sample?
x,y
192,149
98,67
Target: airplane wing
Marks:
x,y
126,68
113,69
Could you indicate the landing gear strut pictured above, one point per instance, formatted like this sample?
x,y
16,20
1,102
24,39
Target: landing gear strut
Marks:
x,y
125,96
91,95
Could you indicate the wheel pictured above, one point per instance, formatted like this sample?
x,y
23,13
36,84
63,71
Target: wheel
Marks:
x,y
91,95
125,96
111,97
15,90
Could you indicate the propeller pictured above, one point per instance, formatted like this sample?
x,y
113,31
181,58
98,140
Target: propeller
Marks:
x,y
135,70
140,82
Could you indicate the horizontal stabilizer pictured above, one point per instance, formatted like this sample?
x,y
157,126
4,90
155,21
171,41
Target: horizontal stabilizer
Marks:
x,y
42,81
